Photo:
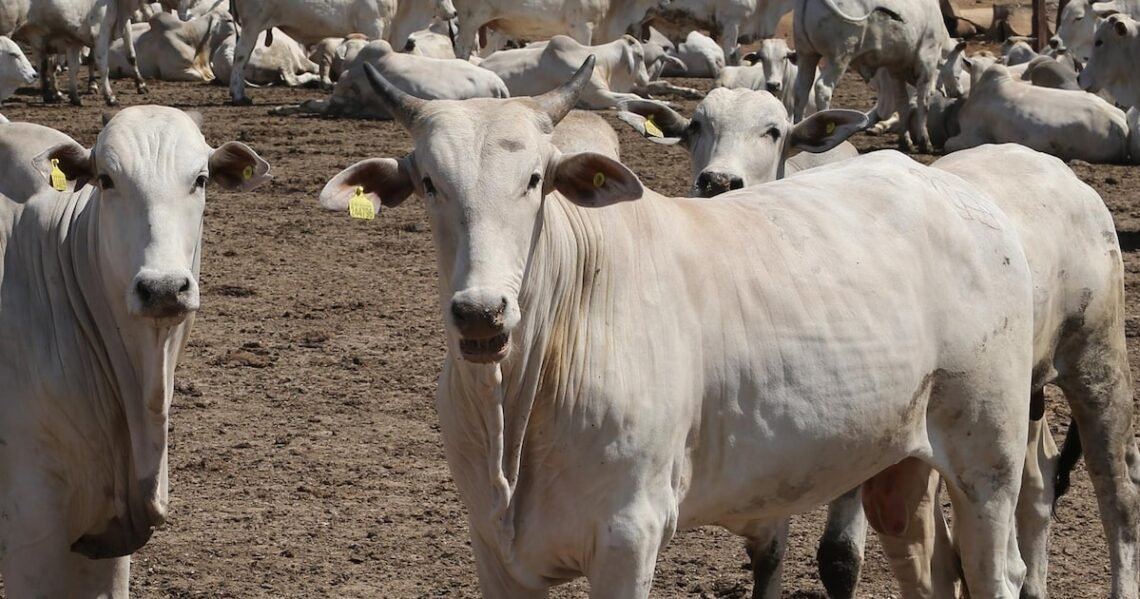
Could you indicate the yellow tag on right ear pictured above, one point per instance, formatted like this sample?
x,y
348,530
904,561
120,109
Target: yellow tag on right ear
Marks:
x,y
360,206
830,128
652,129
58,179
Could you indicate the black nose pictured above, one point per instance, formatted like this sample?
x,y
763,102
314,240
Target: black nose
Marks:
x,y
712,183
164,296
477,319
774,86
1055,43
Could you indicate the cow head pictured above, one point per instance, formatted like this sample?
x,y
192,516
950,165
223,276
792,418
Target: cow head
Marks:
x,y
444,10
483,168
15,70
740,137
774,58
950,72
1077,26
1110,66
150,166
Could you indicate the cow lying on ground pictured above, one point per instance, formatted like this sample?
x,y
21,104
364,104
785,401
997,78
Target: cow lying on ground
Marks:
x,y
857,376
99,290
173,50
15,70
284,61
533,71
701,56
423,77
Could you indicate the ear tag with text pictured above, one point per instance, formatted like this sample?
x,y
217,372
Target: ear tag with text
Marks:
x,y
652,129
58,179
360,206
830,128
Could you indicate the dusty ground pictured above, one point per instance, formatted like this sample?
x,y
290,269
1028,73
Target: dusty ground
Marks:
x,y
306,461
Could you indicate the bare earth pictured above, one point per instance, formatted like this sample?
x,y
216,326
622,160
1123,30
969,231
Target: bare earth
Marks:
x,y
306,460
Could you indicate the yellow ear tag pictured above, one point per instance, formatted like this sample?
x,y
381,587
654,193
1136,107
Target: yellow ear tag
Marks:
x,y
360,206
599,179
247,174
830,128
58,179
652,129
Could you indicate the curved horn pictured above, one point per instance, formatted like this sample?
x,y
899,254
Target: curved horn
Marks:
x,y
402,106
559,101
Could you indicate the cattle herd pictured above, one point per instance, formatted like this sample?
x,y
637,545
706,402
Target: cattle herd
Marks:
x,y
812,326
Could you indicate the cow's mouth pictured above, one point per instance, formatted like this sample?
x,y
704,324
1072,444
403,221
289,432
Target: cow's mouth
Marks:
x,y
488,349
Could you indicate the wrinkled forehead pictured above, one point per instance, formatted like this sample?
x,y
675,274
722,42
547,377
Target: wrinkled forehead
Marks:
x,y
741,109
473,135
774,49
144,138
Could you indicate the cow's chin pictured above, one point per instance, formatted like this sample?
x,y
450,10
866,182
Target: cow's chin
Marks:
x,y
486,350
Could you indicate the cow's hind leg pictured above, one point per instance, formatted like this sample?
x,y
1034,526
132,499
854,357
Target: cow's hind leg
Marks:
x,y
1098,387
808,61
1035,503
829,77
766,542
840,553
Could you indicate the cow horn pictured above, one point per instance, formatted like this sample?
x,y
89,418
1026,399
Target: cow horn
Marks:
x,y
402,106
559,101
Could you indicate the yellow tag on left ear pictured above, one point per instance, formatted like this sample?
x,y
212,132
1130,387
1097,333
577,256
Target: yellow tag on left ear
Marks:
x,y
830,128
247,174
58,179
599,179
360,206
652,129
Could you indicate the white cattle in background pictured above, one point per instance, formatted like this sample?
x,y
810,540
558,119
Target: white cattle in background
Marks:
x,y
1067,124
729,20
587,21
740,137
173,50
1078,23
1112,65
15,70
773,69
434,42
549,255
284,61
417,15
701,56
20,144
906,37
586,131
421,76
536,70
99,288
69,26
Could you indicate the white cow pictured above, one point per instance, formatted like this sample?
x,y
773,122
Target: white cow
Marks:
x,y
421,76
740,137
434,42
283,61
173,50
1067,124
1078,24
701,56
585,131
1016,50
907,37
417,15
533,71
586,21
69,25
99,290
15,70
604,388
773,69
20,144
1111,66
729,20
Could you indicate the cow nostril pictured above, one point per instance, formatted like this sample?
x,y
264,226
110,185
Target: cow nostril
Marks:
x,y
774,87
144,292
704,181
502,307
1054,43
458,313
185,286
736,183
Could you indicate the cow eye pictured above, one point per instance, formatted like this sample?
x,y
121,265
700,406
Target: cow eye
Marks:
x,y
1099,43
105,182
534,181
200,182
429,187
774,133
1077,19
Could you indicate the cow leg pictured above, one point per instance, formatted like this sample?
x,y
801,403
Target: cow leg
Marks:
x,y
625,552
494,579
729,34
100,52
49,569
73,66
805,78
840,553
582,33
923,89
467,34
49,82
829,77
1035,504
766,542
1098,387
124,25
246,41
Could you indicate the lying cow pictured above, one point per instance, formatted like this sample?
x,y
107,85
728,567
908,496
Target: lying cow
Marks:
x,y
700,55
1111,66
15,70
1067,124
20,144
532,71
172,50
423,77
99,289
739,137
856,375
284,61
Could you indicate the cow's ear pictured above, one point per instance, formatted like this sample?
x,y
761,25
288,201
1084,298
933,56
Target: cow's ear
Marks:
x,y
1120,27
750,58
592,180
236,166
382,181
654,121
74,160
1105,10
824,130
791,56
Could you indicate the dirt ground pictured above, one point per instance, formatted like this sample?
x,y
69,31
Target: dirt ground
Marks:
x,y
305,455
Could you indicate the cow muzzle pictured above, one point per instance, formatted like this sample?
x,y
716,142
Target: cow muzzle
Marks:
x,y
164,297
712,183
481,321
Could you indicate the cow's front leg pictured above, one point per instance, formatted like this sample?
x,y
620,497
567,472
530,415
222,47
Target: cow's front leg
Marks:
x,y
767,542
124,32
625,553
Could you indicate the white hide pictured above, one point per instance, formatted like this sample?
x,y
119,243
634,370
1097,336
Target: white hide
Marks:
x,y
15,70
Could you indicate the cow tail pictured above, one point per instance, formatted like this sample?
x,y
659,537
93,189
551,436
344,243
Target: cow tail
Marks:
x,y
1066,461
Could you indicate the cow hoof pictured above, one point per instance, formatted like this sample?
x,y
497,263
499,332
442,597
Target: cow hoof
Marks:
x,y
243,101
76,101
52,99
112,101
142,89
